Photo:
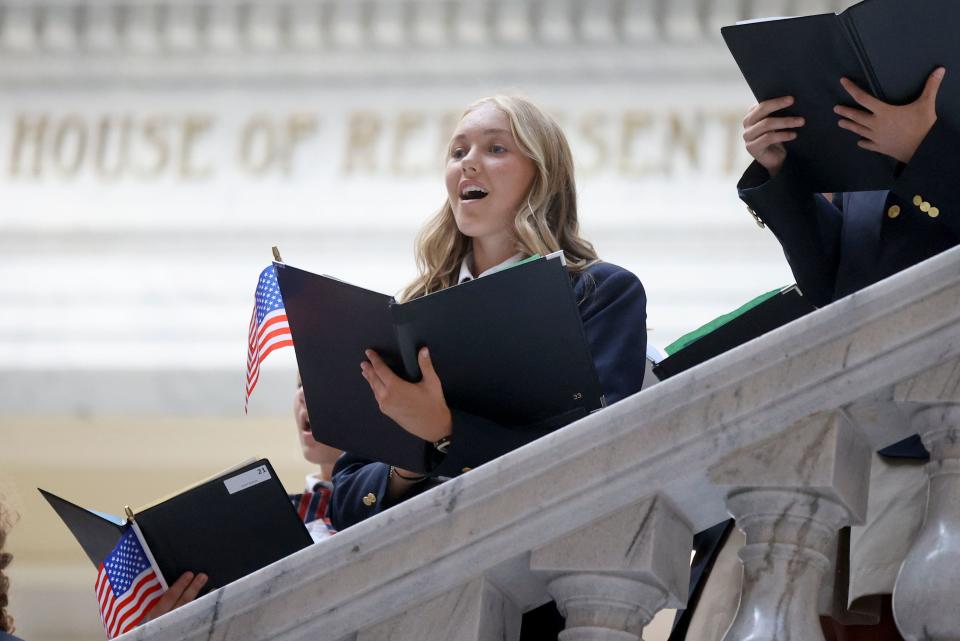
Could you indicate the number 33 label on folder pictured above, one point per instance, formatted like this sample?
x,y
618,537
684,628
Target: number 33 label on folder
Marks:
x,y
247,479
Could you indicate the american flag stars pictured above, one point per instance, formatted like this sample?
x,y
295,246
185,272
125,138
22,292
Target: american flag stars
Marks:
x,y
269,329
127,586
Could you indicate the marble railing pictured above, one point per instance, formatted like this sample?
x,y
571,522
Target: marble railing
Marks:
x,y
184,26
599,515
119,41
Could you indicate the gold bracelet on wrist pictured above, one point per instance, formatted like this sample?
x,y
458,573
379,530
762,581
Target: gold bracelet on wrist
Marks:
x,y
413,479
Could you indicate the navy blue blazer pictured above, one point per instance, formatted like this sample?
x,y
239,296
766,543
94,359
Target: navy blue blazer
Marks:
x,y
8,637
836,248
613,309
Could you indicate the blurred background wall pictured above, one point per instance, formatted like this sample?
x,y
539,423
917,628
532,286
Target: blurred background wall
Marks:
x,y
151,152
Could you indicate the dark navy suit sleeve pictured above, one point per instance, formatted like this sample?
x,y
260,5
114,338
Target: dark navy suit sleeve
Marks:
x,y
354,478
806,224
932,175
612,306
613,310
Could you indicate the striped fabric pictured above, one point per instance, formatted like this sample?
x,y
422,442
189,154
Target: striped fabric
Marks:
x,y
127,586
269,329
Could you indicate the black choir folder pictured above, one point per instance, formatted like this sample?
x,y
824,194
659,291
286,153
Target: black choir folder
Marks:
x,y
759,316
227,526
509,347
887,47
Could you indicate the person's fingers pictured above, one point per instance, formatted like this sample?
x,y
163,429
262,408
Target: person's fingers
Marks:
x,y
771,138
860,130
932,87
869,145
771,124
861,97
376,385
192,590
426,366
169,598
381,369
864,118
765,108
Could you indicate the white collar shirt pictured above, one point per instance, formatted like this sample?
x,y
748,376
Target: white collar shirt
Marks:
x,y
466,274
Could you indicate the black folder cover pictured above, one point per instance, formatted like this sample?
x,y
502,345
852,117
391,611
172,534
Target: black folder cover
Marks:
x,y
509,346
888,47
778,310
96,534
226,527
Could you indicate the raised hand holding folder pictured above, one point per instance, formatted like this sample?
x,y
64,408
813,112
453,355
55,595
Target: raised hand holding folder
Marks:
x,y
887,47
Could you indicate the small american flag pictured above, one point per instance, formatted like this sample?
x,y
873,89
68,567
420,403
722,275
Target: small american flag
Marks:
x,y
269,329
127,586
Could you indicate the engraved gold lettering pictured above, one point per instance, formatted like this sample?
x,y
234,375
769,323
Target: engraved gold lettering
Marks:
x,y
634,125
194,127
408,123
300,127
155,135
591,126
363,135
70,145
731,123
258,145
685,135
121,146
28,143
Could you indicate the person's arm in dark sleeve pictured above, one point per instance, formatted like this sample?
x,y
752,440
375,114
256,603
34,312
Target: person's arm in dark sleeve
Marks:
x,y
355,481
614,313
613,310
932,174
805,223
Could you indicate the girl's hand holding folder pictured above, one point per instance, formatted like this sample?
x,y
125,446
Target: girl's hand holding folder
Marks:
x,y
420,408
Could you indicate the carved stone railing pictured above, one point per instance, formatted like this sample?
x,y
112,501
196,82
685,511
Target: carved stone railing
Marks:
x,y
599,515
167,38
144,26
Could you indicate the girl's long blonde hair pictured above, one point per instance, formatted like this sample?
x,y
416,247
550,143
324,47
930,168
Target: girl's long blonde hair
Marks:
x,y
545,223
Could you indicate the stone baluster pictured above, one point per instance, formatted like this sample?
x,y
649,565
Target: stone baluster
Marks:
x,y
306,26
639,21
472,22
430,24
102,29
721,14
18,29
790,495
223,30
599,21
611,577
182,31
265,27
476,611
141,29
555,21
925,594
389,23
348,24
512,22
682,21
60,32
